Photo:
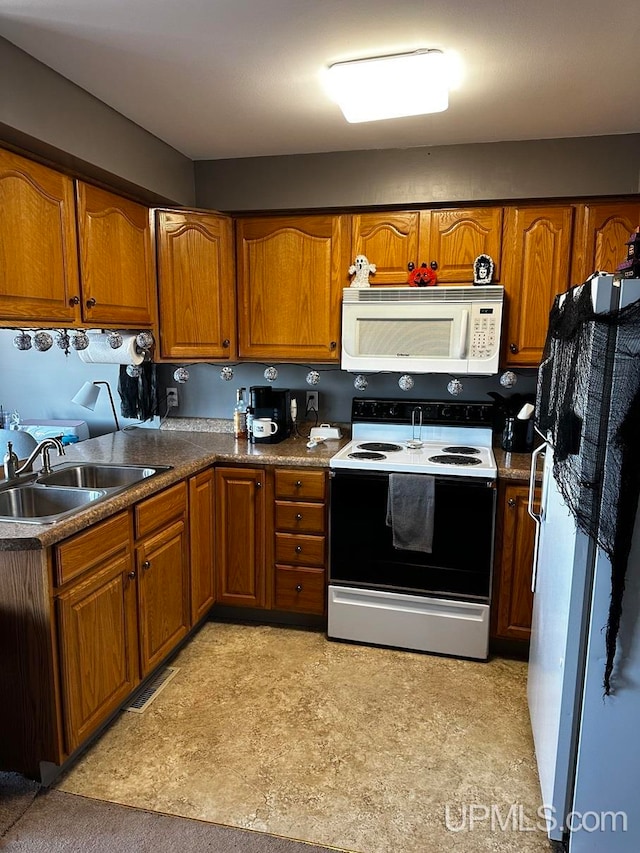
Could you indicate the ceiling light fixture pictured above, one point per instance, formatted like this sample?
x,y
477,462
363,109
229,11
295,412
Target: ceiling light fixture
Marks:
x,y
381,87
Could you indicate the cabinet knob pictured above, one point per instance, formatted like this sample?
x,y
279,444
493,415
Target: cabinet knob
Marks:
x,y
298,484
225,343
298,549
146,565
511,502
298,516
333,344
258,485
131,575
75,300
298,587
91,302
514,348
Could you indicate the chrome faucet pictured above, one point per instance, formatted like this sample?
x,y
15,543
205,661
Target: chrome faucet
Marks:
x,y
43,447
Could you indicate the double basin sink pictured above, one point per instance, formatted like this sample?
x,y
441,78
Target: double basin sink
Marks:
x,y
47,498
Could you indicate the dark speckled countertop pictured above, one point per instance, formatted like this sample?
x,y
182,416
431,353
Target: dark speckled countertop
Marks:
x,y
189,446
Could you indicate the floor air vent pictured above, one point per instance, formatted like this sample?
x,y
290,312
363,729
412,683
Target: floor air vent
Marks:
x,y
145,697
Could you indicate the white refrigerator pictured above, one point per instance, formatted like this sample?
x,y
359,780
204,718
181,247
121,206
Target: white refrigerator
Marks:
x,y
587,744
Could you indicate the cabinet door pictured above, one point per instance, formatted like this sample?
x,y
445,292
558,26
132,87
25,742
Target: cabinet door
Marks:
x,y
240,537
201,543
390,241
163,593
116,262
196,285
291,271
537,244
38,251
97,634
516,532
600,235
457,237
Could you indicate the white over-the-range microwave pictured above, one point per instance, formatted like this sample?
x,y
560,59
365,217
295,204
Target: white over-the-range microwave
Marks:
x,y
422,329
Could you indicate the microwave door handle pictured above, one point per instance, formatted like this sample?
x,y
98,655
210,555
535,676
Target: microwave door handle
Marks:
x,y
464,324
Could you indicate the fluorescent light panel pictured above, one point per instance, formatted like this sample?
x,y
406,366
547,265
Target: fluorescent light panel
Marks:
x,y
381,87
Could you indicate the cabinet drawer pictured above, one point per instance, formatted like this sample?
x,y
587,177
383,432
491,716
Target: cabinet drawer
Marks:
x,y
299,549
159,510
91,547
300,517
300,485
300,590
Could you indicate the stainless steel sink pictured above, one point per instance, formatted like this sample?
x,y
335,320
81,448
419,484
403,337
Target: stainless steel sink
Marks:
x,y
100,476
44,505
67,489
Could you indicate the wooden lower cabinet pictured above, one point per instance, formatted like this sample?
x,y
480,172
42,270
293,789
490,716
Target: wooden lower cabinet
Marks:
x,y
515,534
201,543
97,626
162,566
300,513
241,537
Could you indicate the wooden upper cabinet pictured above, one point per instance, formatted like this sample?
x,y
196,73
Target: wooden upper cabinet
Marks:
x,y
537,249
457,237
452,238
116,260
601,232
390,241
290,273
38,252
196,285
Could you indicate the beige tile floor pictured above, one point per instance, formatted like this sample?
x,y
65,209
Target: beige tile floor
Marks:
x,y
359,748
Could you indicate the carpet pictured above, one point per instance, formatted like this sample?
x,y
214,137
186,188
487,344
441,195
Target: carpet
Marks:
x,y
16,795
55,822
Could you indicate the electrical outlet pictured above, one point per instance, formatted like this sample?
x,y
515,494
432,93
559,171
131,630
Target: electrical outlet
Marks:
x,y
172,397
312,402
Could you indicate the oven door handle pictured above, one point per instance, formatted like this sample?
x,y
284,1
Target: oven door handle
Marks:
x,y
537,517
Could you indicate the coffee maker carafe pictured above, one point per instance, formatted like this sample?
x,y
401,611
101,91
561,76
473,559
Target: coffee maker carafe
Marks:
x,y
275,404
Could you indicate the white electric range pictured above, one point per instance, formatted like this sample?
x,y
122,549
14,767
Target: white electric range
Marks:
x,y
436,601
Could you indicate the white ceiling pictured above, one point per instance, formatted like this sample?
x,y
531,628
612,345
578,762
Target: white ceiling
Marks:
x,y
241,78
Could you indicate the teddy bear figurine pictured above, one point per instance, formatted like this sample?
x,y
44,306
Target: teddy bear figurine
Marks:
x,y
362,268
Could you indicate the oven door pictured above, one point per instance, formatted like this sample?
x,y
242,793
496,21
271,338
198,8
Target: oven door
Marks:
x,y
361,547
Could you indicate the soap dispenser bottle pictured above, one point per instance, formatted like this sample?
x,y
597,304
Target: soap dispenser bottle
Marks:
x,y
240,415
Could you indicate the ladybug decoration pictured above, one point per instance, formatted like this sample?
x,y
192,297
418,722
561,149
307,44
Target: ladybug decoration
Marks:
x,y
423,276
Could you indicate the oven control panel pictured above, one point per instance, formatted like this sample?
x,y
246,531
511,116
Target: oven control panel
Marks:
x,y
440,412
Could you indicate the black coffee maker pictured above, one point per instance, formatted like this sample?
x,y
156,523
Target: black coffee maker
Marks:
x,y
275,404
515,434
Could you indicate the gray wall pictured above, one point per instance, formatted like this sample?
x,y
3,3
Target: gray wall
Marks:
x,y
45,114
548,168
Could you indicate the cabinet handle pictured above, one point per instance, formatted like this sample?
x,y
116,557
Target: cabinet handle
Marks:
x,y
298,484
75,300
514,348
225,343
333,344
298,587
146,565
91,302
511,502
298,516
131,575
258,485
298,549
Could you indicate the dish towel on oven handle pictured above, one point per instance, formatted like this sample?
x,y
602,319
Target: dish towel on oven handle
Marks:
x,y
410,510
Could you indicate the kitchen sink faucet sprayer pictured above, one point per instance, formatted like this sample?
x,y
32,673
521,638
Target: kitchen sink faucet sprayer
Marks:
x,y
43,447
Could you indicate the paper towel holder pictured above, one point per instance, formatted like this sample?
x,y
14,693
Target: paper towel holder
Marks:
x,y
87,397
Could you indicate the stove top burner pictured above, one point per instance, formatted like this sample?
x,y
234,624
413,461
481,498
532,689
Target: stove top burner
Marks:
x,y
379,446
452,459
460,449
366,454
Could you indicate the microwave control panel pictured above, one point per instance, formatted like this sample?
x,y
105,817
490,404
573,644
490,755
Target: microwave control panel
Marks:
x,y
485,331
